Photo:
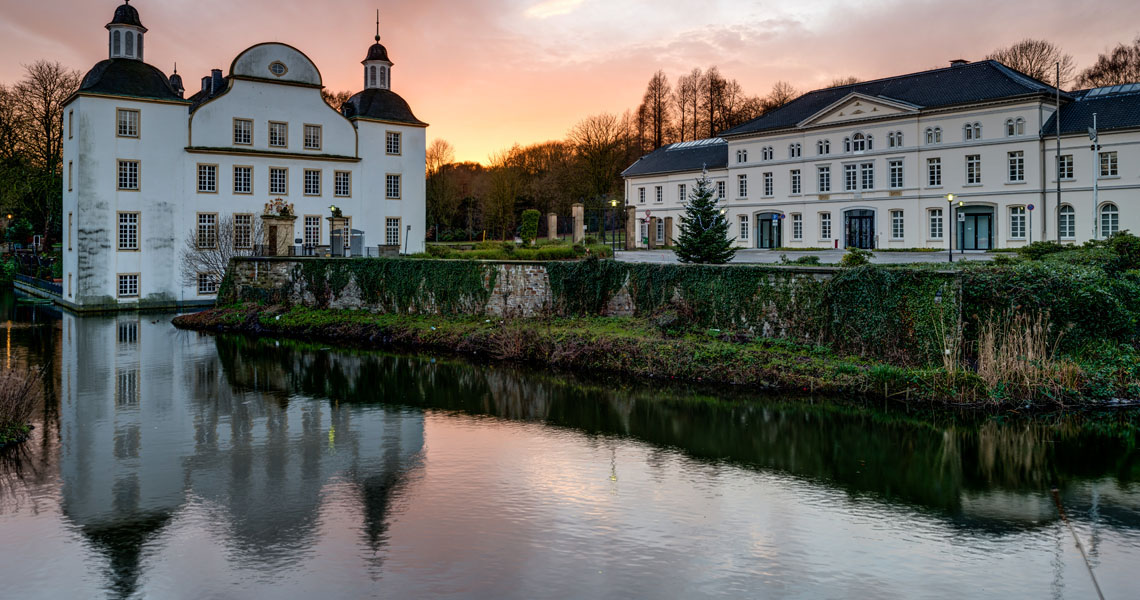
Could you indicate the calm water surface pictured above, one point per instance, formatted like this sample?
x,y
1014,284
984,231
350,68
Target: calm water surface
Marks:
x,y
169,464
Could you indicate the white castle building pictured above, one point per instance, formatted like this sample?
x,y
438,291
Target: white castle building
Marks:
x,y
874,165
146,168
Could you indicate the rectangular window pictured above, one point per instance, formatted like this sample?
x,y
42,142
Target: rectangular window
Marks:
x,y
243,132
243,180
681,193
741,186
769,185
70,117
796,183
744,227
1017,222
392,231
312,137
207,179
935,223
128,231
1065,167
312,230
129,175
641,195
278,134
896,174
70,225
721,190
69,175
797,227
207,231
867,170
825,226
312,182
1108,167
897,230
973,169
392,143
278,181
824,174
850,177
934,172
128,123
392,187
128,285
346,233
207,284
342,184
243,232
1016,166
660,231
658,193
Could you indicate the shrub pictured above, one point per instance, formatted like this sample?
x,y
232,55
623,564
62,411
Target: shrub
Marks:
x,y
855,257
528,231
438,251
806,260
590,241
18,393
1039,250
7,271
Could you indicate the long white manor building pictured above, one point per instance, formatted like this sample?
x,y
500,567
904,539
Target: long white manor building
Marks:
x,y
873,165
147,168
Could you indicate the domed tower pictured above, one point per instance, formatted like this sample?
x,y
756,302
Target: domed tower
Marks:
x,y
377,67
125,37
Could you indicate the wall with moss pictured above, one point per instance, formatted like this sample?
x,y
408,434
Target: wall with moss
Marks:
x,y
894,313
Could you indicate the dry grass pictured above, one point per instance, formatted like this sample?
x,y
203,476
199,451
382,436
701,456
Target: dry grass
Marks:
x,y
19,390
1017,351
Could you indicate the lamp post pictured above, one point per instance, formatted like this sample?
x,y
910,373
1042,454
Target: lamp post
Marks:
x,y
953,230
613,238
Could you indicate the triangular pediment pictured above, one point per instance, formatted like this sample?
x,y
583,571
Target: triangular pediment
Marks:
x,y
858,107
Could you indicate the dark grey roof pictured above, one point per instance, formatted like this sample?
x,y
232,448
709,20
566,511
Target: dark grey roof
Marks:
x,y
377,52
128,77
126,15
685,156
1114,110
380,104
975,82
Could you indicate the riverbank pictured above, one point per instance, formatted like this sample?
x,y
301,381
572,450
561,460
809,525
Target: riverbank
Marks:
x,y
658,348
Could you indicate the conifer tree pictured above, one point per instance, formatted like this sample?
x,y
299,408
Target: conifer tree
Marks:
x,y
704,229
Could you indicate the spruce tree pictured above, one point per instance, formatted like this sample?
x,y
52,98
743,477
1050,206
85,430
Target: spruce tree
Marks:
x,y
704,230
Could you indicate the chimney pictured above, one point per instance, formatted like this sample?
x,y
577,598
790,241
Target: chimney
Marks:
x,y
218,83
959,62
206,84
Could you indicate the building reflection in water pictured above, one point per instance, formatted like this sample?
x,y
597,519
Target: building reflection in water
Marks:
x,y
149,423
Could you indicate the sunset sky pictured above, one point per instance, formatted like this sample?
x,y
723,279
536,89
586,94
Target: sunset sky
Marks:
x,y
489,73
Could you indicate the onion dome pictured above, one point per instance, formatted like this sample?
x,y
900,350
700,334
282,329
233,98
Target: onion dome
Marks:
x,y
127,77
377,52
126,15
382,105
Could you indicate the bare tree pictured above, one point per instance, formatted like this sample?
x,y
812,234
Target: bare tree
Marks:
x,y
1037,59
1118,66
712,101
842,81
442,192
657,108
11,124
686,100
599,141
503,191
781,94
209,253
335,99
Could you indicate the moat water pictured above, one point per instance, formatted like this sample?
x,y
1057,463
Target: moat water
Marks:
x,y
172,464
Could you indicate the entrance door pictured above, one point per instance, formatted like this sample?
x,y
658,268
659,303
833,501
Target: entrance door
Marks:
x,y
860,226
273,240
977,232
768,231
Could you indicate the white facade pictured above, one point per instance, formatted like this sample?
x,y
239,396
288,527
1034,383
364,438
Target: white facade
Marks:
x,y
146,170
871,171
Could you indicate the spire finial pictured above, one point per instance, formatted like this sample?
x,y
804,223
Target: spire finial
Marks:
x,y
377,25
175,67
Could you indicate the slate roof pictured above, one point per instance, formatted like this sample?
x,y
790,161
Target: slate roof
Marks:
x,y
1119,110
377,52
686,156
126,15
216,88
128,77
385,105
970,83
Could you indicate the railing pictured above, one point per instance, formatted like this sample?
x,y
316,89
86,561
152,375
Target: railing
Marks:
x,y
40,284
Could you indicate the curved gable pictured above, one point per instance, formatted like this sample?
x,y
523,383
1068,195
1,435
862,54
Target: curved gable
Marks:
x,y
257,62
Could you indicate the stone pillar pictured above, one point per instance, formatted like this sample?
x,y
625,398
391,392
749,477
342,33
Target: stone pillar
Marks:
x,y
579,213
278,235
668,232
652,233
337,224
631,228
551,226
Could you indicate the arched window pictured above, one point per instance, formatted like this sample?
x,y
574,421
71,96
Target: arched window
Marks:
x,y
977,131
823,147
1020,126
371,76
858,143
139,36
870,142
116,46
130,47
384,77
929,135
1010,131
1067,223
937,135
846,144
1109,220
898,139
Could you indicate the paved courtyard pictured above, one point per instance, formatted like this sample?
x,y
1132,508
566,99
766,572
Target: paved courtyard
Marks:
x,y
753,256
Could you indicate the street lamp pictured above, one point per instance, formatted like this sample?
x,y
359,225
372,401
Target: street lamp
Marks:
x,y
613,238
950,217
